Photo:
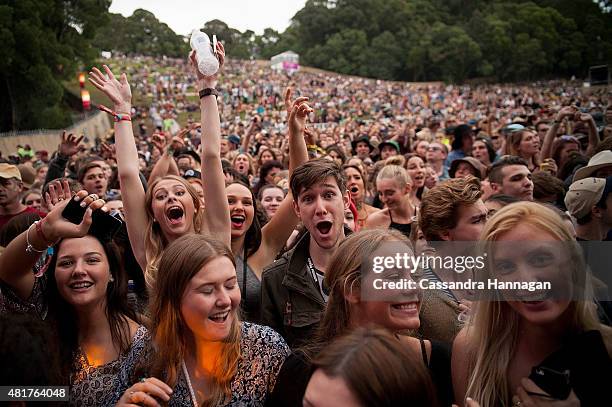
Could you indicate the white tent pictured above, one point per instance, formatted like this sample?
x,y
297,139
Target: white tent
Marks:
x,y
288,61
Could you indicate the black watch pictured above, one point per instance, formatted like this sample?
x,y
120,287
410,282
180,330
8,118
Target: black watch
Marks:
x,y
208,92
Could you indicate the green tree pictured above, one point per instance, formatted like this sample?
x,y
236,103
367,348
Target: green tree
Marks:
x,y
42,42
141,33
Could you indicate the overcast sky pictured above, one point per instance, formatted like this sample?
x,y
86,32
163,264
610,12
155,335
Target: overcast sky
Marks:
x,y
185,15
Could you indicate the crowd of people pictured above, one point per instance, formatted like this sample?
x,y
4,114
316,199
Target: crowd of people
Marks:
x,y
222,259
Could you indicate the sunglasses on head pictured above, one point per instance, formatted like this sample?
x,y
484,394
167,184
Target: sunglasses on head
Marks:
x,y
569,138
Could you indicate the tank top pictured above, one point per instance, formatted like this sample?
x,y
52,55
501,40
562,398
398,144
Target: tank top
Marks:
x,y
403,228
250,290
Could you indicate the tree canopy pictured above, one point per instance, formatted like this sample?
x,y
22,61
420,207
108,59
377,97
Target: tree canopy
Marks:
x,y
452,39
140,33
43,42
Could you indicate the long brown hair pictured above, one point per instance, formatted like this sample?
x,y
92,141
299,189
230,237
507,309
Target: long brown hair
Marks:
x,y
155,242
378,369
343,277
514,141
180,262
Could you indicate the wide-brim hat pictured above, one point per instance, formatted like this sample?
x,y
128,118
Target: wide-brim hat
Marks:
x,y
362,139
477,165
599,160
190,152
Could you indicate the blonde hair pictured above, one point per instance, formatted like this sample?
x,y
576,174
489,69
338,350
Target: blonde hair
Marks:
x,y
180,262
155,242
395,172
494,326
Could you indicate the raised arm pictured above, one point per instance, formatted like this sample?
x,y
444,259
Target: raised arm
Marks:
x,y
68,147
275,233
593,135
551,134
216,214
20,256
132,191
166,164
246,140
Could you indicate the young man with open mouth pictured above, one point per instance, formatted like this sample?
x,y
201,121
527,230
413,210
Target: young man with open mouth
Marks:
x,y
293,295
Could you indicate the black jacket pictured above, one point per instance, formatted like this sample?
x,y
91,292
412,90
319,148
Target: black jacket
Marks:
x,y
291,302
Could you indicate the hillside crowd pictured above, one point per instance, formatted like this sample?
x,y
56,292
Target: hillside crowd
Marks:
x,y
215,248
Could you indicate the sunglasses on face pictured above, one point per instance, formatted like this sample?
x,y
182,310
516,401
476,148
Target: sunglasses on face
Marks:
x,y
434,148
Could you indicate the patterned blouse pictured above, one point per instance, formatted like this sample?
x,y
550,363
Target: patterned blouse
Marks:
x,y
263,352
104,385
91,385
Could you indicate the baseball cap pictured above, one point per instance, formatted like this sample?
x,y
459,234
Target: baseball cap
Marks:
x,y
511,128
192,174
235,139
9,171
584,194
391,143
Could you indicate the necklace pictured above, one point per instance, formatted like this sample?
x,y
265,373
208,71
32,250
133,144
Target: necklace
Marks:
x,y
186,373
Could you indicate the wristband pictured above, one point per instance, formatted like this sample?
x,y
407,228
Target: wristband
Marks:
x,y
116,116
208,92
39,231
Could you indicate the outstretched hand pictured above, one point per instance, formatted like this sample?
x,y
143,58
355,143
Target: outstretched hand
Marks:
x,y
58,191
159,141
69,145
118,91
108,151
298,112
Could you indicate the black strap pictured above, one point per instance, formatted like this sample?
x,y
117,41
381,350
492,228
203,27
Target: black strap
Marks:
x,y
244,275
208,92
424,352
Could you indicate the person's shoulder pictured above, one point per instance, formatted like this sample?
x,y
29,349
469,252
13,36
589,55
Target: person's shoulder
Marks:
x,y
260,341
370,209
606,334
277,267
379,217
262,334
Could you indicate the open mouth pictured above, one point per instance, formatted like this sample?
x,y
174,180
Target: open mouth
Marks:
x,y
406,307
534,298
324,227
237,221
175,214
219,317
80,285
354,189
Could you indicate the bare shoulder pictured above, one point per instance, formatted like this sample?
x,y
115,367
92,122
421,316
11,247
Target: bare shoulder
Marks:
x,y
379,218
370,209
